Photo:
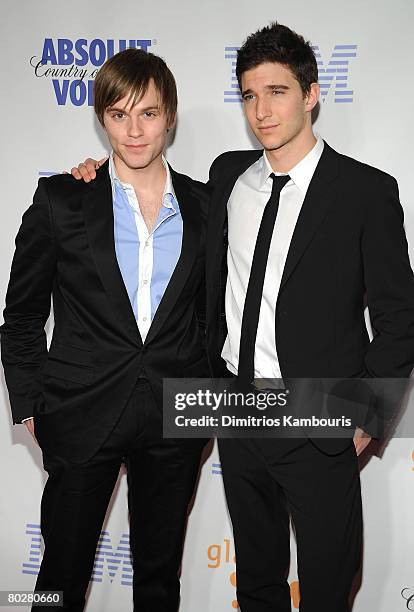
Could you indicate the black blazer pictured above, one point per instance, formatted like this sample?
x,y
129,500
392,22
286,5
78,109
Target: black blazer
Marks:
x,y
348,248
65,248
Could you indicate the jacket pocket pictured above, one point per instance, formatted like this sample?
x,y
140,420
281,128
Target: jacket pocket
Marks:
x,y
73,372
70,354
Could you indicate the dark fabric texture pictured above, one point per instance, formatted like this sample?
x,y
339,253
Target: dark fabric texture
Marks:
x,y
265,485
161,479
65,249
348,249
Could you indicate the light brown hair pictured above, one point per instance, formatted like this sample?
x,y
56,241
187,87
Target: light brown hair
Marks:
x,y
128,73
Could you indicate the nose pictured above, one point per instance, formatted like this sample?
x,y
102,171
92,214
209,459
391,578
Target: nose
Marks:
x,y
134,127
263,109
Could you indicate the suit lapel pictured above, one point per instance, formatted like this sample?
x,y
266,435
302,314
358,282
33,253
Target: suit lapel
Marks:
x,y
192,231
99,220
319,196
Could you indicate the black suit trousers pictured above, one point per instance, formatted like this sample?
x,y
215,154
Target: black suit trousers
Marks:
x,y
161,478
266,483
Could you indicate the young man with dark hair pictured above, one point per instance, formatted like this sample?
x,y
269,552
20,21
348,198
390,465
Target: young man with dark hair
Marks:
x,y
308,233
321,231
123,258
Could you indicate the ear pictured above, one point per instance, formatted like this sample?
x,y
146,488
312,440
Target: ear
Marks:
x,y
312,97
172,123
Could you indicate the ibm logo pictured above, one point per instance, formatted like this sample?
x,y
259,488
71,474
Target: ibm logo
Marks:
x,y
116,560
33,566
337,70
233,94
107,560
332,75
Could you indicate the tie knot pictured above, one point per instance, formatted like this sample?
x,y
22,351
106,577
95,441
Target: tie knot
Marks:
x,y
279,182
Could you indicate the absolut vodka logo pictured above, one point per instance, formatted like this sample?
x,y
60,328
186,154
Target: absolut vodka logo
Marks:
x,y
71,65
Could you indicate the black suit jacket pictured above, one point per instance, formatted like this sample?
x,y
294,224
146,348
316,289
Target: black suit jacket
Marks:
x,y
65,248
348,246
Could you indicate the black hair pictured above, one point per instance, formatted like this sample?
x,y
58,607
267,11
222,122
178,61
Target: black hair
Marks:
x,y
278,43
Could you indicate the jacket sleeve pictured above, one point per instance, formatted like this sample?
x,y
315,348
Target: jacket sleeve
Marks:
x,y
23,338
389,283
214,173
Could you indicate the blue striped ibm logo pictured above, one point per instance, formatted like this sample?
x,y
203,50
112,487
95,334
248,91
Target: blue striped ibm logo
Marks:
x,y
336,72
233,93
332,75
117,561
33,566
108,561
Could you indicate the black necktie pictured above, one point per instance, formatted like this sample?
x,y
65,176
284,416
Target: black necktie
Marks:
x,y
256,279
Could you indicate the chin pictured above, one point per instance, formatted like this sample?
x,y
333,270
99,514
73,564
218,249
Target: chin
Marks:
x,y
136,163
273,144
269,141
270,145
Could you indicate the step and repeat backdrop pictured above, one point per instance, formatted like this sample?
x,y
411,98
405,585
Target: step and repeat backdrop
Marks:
x,y
51,52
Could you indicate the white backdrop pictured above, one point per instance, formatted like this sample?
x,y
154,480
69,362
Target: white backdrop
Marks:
x,y
366,112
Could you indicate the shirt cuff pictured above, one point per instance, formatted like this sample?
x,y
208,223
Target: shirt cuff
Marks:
x,y
26,419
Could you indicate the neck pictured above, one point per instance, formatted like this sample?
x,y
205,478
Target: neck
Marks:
x,y
145,179
288,155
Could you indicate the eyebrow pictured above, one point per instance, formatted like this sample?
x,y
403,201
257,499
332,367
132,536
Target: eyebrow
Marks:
x,y
112,109
249,91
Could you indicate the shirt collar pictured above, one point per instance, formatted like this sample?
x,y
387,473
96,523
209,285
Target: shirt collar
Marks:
x,y
168,198
302,173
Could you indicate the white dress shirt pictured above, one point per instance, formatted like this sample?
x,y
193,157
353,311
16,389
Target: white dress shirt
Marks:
x,y
245,208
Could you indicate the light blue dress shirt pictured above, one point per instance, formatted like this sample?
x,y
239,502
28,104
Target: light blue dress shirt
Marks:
x,y
146,259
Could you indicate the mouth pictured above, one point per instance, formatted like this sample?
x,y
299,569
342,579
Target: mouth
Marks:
x,y
267,128
131,147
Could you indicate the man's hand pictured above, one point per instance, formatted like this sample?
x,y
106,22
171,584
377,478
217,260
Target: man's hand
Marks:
x,y
30,426
361,440
87,170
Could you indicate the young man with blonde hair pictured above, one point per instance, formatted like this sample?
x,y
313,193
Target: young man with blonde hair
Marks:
x,y
123,259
